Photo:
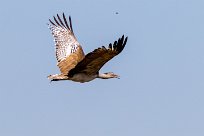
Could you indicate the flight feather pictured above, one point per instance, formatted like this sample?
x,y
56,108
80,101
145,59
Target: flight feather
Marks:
x,y
93,61
68,50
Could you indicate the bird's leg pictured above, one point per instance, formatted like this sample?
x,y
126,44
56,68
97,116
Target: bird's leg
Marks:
x,y
57,77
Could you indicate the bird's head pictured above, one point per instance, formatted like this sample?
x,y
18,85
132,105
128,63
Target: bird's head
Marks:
x,y
108,75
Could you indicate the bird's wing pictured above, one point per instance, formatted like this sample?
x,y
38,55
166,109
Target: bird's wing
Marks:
x,y
93,61
68,50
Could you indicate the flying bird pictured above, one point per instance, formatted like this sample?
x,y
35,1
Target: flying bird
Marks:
x,y
73,63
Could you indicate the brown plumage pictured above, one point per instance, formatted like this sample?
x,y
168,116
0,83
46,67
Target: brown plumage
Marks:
x,y
72,62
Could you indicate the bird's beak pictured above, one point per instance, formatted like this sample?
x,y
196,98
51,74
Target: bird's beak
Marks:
x,y
116,76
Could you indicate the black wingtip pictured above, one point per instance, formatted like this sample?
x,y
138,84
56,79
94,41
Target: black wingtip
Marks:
x,y
56,21
121,43
65,20
122,36
60,20
125,40
52,22
70,23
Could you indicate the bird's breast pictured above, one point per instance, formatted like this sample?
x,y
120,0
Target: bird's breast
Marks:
x,y
82,77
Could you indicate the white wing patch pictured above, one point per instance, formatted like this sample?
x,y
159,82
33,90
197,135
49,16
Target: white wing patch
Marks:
x,y
64,40
65,51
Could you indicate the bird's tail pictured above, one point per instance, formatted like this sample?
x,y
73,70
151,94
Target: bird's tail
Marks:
x,y
57,77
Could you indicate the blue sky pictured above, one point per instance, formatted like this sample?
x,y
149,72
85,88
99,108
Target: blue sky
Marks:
x,y
161,89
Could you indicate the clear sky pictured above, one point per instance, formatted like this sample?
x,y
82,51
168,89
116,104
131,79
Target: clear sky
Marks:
x,y
161,89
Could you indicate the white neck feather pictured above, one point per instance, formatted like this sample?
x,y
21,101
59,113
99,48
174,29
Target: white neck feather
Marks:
x,y
104,76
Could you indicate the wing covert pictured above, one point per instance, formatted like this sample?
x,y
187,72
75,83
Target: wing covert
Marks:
x,y
68,50
93,61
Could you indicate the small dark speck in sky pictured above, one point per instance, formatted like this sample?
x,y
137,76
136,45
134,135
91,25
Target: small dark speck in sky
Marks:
x,y
116,12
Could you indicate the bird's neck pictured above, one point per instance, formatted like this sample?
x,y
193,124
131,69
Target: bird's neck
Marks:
x,y
103,76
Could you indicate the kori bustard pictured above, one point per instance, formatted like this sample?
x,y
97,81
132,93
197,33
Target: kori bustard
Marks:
x,y
72,62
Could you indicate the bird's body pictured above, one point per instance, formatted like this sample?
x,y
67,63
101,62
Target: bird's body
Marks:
x,y
72,62
78,77
82,77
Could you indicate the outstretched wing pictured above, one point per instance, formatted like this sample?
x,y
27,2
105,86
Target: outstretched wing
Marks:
x,y
93,61
68,50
